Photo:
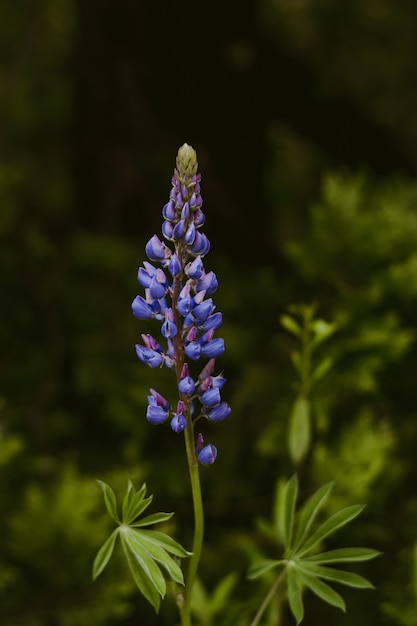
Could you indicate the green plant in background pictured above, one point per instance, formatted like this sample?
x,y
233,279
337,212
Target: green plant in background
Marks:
x,y
311,332
302,565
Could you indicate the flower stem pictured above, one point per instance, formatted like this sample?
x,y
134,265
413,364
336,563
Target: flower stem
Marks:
x,y
198,524
193,467
268,598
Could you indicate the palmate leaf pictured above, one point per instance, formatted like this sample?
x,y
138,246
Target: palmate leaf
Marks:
x,y
259,568
343,555
309,512
302,569
159,554
134,503
349,579
110,501
336,521
290,498
321,589
142,576
104,554
155,518
295,594
146,551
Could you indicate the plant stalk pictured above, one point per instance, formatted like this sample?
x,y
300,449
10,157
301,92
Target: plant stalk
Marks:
x,y
268,598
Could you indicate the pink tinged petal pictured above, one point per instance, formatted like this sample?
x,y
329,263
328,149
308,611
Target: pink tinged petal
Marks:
x,y
207,370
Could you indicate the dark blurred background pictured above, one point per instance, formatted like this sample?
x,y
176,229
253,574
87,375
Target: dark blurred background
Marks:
x,y
302,113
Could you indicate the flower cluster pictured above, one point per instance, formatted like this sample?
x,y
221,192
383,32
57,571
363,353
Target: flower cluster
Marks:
x,y
178,294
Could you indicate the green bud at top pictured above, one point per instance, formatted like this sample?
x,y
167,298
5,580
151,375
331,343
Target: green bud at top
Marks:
x,y
187,161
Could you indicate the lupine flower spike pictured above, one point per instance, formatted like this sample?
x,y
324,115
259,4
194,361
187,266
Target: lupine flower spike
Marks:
x,y
177,293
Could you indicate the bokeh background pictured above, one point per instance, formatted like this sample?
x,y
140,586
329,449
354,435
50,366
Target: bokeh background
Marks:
x,y
303,115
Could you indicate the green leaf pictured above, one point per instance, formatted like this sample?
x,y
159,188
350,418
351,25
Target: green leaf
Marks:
x,y
322,368
160,555
222,591
295,595
340,576
344,555
321,589
299,434
322,330
309,512
260,567
141,559
104,554
290,497
169,544
110,501
134,503
336,521
291,325
155,518
141,575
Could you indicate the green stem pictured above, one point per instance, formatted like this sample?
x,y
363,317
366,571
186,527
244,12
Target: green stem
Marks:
x,y
198,524
268,598
193,467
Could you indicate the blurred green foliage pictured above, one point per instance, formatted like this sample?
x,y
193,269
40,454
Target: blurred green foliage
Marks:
x,y
73,396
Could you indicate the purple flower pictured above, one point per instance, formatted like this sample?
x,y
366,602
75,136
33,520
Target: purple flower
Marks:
x,y
142,309
156,249
178,423
213,348
211,397
219,412
177,294
156,414
149,357
207,455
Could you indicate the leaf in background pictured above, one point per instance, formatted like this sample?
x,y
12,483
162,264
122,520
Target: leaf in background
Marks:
x,y
342,577
290,498
299,432
334,522
309,512
155,518
168,543
291,325
321,589
295,594
343,555
259,568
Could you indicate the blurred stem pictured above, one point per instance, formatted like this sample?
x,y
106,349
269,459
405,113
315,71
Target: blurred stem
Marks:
x,y
271,593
